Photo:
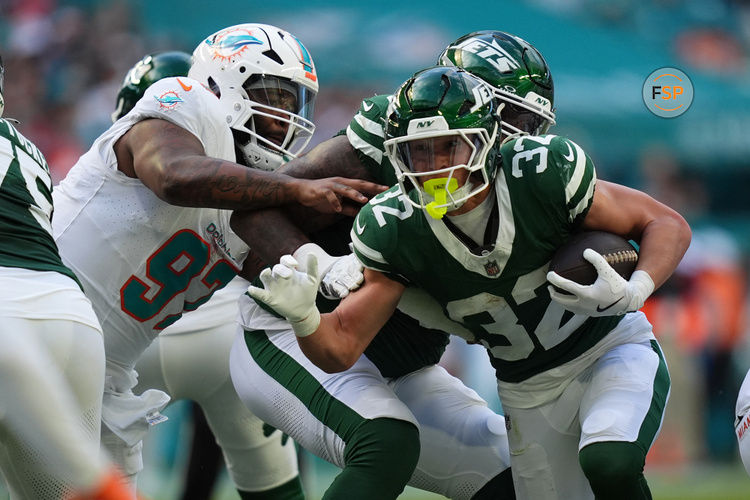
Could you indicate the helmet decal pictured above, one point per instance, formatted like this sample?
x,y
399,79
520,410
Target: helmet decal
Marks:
x,y
305,59
492,52
232,41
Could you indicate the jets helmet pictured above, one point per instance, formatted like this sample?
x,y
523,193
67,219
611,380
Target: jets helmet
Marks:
x,y
260,72
517,72
441,121
148,70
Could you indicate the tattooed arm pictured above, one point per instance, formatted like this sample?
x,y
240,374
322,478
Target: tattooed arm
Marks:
x,y
334,157
277,232
173,164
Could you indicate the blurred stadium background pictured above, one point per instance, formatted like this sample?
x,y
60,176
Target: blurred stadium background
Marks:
x,y
65,61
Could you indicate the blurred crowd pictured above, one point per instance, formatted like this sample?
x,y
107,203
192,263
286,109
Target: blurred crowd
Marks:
x,y
710,35
65,62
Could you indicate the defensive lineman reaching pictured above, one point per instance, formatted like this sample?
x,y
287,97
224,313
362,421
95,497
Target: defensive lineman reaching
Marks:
x,y
396,386
52,360
157,192
190,359
475,224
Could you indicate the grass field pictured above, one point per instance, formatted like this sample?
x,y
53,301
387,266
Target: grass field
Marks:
x,y
706,482
161,479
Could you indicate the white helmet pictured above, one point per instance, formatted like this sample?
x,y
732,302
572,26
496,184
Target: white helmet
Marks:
x,y
258,70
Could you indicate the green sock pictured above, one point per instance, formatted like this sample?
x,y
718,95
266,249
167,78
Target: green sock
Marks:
x,y
615,470
380,459
291,490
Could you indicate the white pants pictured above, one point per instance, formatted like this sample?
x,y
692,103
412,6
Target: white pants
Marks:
x,y
51,383
620,397
190,360
463,442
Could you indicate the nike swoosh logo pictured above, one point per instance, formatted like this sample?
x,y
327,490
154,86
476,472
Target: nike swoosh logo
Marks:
x,y
602,309
570,156
367,106
360,229
186,88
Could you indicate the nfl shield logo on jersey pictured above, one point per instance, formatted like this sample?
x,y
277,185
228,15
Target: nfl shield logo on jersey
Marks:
x,y
491,268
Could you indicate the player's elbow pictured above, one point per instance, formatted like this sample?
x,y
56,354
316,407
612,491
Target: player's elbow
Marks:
x,y
681,228
173,187
329,358
334,360
338,364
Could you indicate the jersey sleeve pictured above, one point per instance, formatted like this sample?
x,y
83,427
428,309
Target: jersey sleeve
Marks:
x,y
552,173
577,173
189,105
374,240
366,134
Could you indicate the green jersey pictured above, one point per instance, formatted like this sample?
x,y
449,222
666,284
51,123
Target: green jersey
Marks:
x,y
543,190
25,206
366,135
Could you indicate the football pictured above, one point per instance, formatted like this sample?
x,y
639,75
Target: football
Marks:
x,y
569,263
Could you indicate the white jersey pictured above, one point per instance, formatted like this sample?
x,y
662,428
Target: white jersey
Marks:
x,y
142,261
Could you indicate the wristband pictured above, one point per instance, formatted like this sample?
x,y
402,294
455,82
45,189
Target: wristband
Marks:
x,y
307,326
642,286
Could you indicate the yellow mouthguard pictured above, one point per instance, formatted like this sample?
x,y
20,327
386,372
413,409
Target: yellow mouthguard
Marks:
x,y
439,189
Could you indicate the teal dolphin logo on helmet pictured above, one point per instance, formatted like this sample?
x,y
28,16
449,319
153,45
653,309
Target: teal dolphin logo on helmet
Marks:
x,y
232,41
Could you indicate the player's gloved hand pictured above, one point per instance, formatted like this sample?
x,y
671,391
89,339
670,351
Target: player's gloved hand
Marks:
x,y
338,275
609,295
344,276
291,293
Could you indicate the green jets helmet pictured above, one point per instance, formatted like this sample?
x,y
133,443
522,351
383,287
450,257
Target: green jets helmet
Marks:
x,y
443,137
517,72
148,70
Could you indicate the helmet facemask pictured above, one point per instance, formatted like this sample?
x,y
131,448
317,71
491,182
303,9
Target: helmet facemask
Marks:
x,y
446,167
523,116
274,123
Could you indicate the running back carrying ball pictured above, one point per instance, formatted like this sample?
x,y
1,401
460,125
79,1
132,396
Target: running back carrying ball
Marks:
x,y
569,263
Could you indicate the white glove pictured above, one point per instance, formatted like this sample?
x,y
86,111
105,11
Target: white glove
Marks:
x,y
344,276
609,295
338,275
291,293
